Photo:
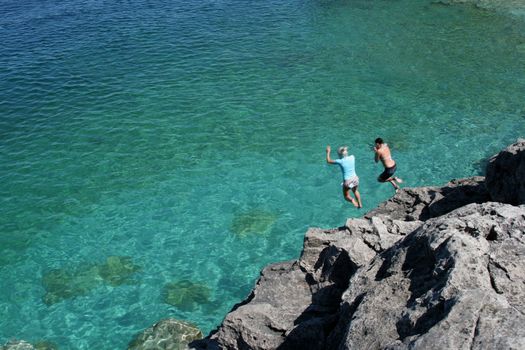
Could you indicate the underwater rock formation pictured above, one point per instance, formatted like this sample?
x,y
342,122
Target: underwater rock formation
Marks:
x,y
63,284
69,282
168,334
45,345
23,345
17,345
118,270
186,295
256,221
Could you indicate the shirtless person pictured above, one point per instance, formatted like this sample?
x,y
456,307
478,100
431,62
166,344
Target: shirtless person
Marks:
x,y
382,153
350,180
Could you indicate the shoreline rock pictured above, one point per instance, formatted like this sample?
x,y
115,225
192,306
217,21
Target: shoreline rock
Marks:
x,y
505,174
434,288
433,267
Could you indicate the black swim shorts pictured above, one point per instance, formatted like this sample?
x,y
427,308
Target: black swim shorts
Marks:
x,y
388,173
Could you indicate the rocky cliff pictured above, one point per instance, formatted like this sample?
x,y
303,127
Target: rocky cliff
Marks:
x,y
433,267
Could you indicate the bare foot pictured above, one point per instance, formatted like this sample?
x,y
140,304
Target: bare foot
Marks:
x,y
398,180
355,203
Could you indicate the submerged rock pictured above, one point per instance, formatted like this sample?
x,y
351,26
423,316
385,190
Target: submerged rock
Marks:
x,y
23,345
68,283
255,221
168,334
63,284
45,345
186,295
118,270
17,345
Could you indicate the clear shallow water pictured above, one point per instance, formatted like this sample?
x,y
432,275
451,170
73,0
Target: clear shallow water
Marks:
x,y
161,130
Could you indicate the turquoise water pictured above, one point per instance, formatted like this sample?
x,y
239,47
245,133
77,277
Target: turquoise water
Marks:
x,y
189,136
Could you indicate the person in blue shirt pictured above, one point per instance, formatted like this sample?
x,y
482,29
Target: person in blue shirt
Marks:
x,y
350,179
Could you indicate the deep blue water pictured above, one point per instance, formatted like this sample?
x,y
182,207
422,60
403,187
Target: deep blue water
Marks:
x,y
184,141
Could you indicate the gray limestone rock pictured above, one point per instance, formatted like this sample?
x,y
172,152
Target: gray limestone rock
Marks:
x,y
441,285
168,334
295,304
506,175
423,203
264,319
454,281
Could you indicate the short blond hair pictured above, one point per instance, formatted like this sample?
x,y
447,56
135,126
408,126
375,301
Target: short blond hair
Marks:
x,y
343,150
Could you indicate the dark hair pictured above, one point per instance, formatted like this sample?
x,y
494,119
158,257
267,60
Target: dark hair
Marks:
x,y
379,140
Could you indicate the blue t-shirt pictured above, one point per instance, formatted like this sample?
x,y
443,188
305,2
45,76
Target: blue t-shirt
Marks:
x,y
347,165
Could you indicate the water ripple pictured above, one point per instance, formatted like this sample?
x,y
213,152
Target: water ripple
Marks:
x,y
149,129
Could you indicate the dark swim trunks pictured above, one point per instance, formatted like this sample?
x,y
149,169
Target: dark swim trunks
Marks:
x,y
388,173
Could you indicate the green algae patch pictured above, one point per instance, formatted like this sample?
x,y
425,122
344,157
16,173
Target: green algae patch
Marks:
x,y
45,345
63,284
255,221
66,283
186,295
118,270
170,334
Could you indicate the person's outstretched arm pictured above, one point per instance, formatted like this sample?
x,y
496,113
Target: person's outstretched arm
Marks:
x,y
328,159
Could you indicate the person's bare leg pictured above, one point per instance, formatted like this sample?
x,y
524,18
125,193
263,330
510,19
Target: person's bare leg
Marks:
x,y
348,197
393,182
357,196
398,180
